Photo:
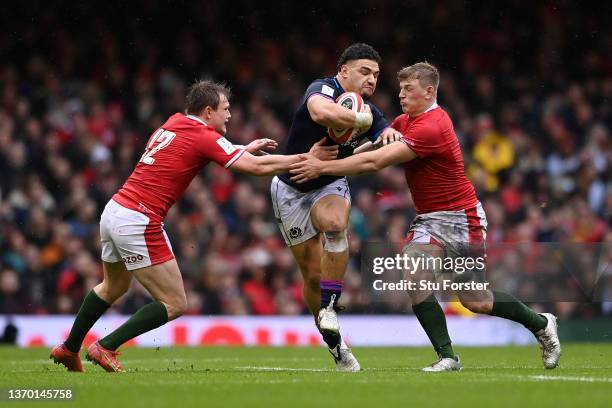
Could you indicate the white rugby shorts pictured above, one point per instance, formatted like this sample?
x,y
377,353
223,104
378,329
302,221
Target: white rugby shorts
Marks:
x,y
132,237
454,231
292,208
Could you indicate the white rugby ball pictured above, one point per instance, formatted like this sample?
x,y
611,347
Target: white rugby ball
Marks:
x,y
352,101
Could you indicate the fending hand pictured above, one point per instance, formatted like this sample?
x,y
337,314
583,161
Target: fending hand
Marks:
x,y
388,136
324,152
308,168
259,146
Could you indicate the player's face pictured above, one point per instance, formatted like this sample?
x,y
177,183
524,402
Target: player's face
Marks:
x,y
414,98
360,76
218,118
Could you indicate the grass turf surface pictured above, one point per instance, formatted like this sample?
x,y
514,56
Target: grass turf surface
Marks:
x,y
270,377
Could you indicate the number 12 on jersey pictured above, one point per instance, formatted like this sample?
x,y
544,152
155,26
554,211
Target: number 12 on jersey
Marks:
x,y
160,140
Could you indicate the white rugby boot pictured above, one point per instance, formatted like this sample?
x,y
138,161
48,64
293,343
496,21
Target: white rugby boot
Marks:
x,y
344,358
444,364
328,319
549,342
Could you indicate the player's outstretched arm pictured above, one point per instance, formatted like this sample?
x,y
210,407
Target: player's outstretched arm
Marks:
x,y
267,165
272,164
310,168
327,113
387,136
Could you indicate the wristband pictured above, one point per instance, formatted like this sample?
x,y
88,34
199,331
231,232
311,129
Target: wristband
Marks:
x,y
363,119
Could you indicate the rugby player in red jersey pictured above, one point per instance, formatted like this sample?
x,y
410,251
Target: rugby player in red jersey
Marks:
x,y
134,243
449,214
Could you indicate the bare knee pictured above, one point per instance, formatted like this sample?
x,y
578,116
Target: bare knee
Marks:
x,y
176,307
333,224
477,301
475,306
110,292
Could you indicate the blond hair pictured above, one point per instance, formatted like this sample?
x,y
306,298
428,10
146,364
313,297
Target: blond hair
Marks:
x,y
426,73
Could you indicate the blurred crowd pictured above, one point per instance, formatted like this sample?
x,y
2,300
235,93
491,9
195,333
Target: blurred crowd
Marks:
x,y
529,89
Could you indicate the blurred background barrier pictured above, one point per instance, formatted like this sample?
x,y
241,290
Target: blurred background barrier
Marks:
x,y
373,330
378,330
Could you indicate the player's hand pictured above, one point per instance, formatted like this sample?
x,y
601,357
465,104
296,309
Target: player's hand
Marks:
x,y
308,169
367,109
259,146
324,152
388,136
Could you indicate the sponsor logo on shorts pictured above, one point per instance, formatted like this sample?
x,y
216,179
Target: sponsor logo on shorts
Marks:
x,y
128,260
295,232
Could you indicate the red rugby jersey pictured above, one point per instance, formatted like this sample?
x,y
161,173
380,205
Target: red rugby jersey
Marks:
x,y
175,153
436,178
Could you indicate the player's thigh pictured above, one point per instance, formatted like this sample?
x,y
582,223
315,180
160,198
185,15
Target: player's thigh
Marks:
x,y
110,253
331,213
308,257
292,212
164,282
421,258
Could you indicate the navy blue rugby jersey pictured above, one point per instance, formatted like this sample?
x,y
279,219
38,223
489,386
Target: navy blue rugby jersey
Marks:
x,y
305,132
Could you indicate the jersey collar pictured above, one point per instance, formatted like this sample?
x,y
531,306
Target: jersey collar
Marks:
x,y
192,117
432,107
338,85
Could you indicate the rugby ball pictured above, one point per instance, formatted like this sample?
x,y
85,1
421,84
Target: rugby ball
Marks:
x,y
352,101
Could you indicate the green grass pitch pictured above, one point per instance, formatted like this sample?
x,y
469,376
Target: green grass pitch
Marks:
x,y
304,377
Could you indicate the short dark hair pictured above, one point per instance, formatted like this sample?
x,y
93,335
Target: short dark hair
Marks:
x,y
205,93
358,51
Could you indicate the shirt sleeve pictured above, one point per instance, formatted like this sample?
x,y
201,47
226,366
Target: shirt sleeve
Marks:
x,y
320,87
378,123
220,150
424,140
396,123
